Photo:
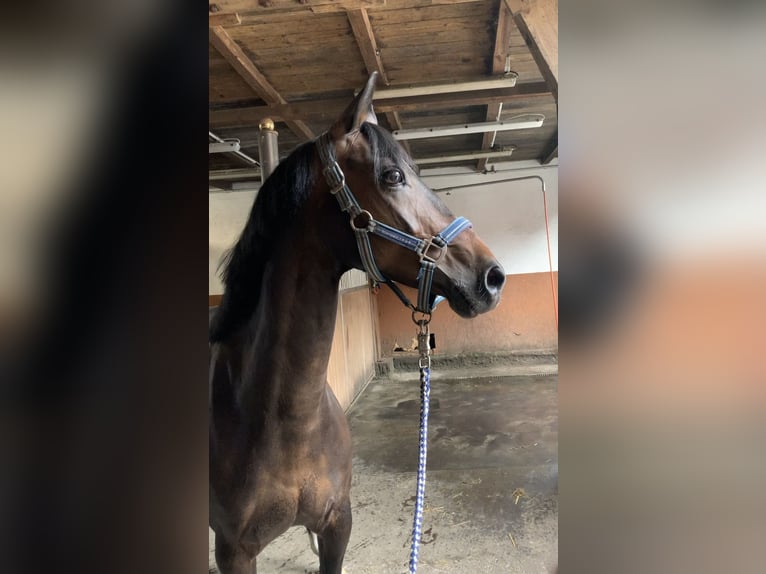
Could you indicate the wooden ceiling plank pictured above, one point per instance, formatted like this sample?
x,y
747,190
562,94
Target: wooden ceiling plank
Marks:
x,y
270,6
333,6
537,20
327,109
233,54
414,14
502,40
393,4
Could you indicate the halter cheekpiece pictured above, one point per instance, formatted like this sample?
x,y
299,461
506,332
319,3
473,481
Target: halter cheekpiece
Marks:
x,y
429,250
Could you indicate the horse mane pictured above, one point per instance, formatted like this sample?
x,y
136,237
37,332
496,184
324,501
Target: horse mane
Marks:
x,y
275,206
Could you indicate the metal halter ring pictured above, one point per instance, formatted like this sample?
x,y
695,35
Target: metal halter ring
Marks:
x,y
424,321
368,224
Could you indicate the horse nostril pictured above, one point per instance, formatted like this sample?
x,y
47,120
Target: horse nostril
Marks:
x,y
495,278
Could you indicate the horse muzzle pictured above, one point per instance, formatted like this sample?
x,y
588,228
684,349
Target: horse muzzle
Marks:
x,y
471,296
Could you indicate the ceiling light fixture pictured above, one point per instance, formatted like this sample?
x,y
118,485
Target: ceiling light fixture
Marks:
x,y
246,158
500,126
507,81
223,147
505,152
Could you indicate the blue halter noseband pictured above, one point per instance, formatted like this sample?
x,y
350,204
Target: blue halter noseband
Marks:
x,y
363,223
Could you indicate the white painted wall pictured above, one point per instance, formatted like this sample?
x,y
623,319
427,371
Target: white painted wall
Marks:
x,y
508,216
227,215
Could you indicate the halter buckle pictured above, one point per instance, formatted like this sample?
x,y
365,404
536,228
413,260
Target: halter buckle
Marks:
x,y
335,177
427,244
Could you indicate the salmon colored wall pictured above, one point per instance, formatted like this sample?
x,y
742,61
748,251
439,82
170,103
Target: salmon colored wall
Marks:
x,y
523,321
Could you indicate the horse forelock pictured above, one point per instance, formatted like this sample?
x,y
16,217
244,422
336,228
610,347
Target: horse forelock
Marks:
x,y
383,146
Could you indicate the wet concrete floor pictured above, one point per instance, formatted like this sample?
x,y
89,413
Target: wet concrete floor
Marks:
x,y
492,482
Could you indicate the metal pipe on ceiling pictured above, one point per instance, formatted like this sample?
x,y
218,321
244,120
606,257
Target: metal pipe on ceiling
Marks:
x,y
454,187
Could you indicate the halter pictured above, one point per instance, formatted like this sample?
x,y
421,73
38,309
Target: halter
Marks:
x,y
429,251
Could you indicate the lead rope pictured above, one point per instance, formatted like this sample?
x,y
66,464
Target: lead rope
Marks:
x,y
424,363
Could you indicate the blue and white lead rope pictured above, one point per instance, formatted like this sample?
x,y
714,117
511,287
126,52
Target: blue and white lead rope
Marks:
x,y
417,526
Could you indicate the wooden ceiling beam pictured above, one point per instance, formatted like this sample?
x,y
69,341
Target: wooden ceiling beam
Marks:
x,y
328,109
365,39
242,64
395,123
538,22
224,19
502,42
502,39
551,150
493,114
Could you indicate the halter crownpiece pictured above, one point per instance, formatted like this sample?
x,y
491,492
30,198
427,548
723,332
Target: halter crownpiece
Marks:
x,y
429,251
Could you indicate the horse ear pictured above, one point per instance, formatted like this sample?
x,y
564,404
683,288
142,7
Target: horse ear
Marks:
x,y
358,111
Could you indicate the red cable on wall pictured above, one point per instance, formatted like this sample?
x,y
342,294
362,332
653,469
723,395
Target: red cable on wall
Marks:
x,y
550,260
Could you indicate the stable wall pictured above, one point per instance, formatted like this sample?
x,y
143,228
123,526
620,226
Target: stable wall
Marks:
x,y
227,215
523,321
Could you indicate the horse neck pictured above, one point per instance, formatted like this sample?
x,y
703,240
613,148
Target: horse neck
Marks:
x,y
290,335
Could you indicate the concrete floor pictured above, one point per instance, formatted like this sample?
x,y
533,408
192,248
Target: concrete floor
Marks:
x,y
492,483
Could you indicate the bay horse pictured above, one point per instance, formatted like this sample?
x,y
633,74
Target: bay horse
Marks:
x,y
280,447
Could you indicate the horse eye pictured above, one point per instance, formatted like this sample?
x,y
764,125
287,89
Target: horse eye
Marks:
x,y
393,177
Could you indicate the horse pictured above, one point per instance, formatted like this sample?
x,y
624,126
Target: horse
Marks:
x,y
280,445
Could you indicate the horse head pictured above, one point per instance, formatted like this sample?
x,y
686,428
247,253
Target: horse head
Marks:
x,y
392,200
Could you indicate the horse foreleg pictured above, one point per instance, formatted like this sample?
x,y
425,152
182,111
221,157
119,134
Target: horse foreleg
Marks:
x,y
333,541
232,559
